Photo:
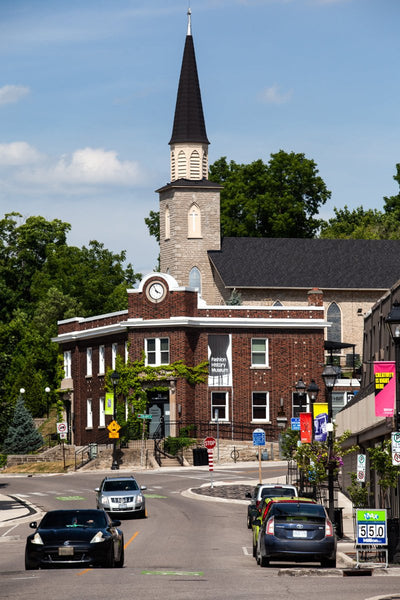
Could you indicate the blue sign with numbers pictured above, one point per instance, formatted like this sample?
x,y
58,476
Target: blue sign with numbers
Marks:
x,y
259,437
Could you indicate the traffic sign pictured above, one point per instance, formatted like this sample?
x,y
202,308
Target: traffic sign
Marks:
x,y
361,463
113,427
145,416
396,448
210,443
62,427
295,423
113,434
259,437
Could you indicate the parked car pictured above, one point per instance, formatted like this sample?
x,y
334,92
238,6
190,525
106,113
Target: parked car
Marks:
x,y
258,521
74,537
263,490
121,495
296,530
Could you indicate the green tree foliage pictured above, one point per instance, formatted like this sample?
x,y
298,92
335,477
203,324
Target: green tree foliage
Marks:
x,y
361,224
380,458
43,280
22,436
277,199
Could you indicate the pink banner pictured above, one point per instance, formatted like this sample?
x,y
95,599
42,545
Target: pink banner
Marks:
x,y
385,388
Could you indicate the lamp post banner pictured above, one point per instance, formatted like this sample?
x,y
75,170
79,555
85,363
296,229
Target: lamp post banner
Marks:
x,y
305,428
109,404
320,415
385,388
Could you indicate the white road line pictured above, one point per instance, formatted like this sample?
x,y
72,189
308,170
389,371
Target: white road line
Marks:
x,y
246,552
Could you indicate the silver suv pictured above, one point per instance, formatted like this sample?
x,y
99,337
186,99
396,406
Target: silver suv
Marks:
x,y
121,495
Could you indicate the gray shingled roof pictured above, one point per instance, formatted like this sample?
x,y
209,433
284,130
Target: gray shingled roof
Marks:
x,y
307,263
191,183
189,125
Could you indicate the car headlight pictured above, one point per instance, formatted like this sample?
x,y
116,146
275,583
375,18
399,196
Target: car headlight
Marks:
x,y
37,539
139,498
105,500
99,537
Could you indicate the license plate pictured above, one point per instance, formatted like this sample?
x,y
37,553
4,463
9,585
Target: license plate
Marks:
x,y
122,505
66,551
299,533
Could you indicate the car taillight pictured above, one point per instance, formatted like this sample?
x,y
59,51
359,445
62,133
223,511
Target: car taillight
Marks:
x,y
258,503
269,530
328,528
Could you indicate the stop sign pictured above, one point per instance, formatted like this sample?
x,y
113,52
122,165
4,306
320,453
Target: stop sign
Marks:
x,y
210,443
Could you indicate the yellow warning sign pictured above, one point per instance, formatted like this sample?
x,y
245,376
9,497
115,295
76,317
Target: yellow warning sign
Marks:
x,y
113,434
114,427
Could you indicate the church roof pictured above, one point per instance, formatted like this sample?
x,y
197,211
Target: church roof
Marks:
x,y
190,183
307,263
189,125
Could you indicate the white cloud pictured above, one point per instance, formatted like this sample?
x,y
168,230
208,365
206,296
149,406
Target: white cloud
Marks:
x,y
12,93
87,166
273,95
17,154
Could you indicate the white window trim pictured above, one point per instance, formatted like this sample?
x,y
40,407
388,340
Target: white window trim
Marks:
x,y
102,360
89,362
157,351
267,418
114,352
89,414
212,407
67,364
102,415
264,365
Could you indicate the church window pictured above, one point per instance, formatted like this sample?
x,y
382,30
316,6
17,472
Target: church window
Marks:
x,y
334,333
195,165
172,166
194,222
181,165
195,279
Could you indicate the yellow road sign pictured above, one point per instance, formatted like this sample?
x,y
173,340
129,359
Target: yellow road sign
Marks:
x,y
113,434
113,426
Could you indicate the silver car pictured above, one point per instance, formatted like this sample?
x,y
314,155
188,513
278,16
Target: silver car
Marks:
x,y
121,495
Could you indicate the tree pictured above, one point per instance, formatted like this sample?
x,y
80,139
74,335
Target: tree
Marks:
x,y
361,224
22,436
278,199
380,458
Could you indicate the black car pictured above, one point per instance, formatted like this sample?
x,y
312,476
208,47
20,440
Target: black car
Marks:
x,y
81,537
296,531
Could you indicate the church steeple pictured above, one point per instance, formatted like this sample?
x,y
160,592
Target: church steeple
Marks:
x,y
189,142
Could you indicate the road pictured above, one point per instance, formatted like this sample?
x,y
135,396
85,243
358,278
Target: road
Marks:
x,y
188,548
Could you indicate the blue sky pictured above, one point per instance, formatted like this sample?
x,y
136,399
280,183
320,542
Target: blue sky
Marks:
x,y
88,90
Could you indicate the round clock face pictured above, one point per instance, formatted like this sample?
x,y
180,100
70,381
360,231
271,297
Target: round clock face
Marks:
x,y
156,291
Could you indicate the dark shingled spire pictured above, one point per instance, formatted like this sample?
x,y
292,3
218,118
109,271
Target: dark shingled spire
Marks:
x,y
189,123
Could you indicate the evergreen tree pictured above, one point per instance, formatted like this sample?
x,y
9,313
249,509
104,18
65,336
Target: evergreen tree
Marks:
x,y
22,436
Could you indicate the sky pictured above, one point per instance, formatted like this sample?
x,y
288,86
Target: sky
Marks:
x,y
88,91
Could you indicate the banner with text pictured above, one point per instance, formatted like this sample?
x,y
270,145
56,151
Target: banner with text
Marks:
x,y
385,388
305,428
219,360
320,415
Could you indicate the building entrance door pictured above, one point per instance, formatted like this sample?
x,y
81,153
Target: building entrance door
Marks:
x,y
159,410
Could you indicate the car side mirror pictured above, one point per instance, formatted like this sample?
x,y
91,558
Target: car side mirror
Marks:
x,y
143,487
115,523
96,489
248,495
33,524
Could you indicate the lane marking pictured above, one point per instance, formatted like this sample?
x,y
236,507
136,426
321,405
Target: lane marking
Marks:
x,y
84,572
131,539
185,573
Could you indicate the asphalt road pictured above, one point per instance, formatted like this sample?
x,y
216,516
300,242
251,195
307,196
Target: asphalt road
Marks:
x,y
188,548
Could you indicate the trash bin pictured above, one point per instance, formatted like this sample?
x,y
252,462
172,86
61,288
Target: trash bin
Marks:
x,y
338,521
200,457
92,451
264,455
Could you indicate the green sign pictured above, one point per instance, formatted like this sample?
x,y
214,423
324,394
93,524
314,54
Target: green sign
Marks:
x,y
371,526
145,416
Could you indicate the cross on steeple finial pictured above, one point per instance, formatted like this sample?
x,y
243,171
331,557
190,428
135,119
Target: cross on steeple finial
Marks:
x,y
189,29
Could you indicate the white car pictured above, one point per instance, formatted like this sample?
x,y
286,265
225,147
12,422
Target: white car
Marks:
x,y
121,495
267,490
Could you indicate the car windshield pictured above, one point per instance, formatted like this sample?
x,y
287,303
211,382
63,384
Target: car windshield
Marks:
x,y
61,519
120,485
294,510
278,492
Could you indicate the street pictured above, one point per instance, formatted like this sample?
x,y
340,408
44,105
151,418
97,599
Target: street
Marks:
x,y
187,548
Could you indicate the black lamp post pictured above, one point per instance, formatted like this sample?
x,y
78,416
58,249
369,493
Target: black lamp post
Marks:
x,y
115,379
330,374
393,324
301,390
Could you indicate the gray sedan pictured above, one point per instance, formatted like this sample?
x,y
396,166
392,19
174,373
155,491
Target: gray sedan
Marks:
x,y
121,495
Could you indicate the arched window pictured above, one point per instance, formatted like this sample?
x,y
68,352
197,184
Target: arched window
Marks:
x,y
167,224
181,165
195,165
335,318
195,279
194,222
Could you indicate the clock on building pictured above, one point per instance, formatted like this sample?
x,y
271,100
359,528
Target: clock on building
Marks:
x,y
156,291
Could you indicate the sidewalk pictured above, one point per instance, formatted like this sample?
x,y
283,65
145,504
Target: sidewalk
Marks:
x,y
13,509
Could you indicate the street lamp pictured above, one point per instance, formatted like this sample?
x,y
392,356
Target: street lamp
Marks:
x,y
393,324
330,374
115,380
312,391
300,388
47,390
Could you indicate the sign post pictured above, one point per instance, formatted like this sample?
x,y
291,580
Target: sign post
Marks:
x,y
259,440
371,531
210,444
396,448
361,462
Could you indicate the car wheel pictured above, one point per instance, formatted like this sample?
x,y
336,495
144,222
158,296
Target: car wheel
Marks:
x,y
249,523
328,563
264,562
110,560
29,566
254,551
143,514
120,563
